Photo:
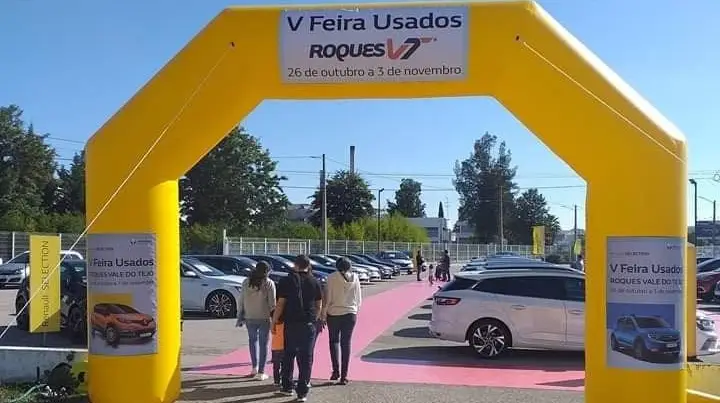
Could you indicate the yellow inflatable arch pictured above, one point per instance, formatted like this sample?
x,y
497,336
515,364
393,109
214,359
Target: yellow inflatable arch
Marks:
x,y
632,158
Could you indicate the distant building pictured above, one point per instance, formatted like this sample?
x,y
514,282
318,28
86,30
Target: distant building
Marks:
x,y
299,212
705,231
435,227
463,232
567,237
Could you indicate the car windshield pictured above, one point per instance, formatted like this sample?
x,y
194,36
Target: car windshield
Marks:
x,y
326,260
651,322
71,256
121,309
205,269
396,255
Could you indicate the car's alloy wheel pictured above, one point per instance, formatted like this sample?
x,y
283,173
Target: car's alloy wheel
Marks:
x,y
221,304
77,325
489,340
111,336
639,350
22,319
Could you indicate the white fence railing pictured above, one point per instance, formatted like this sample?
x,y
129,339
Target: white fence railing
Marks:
x,y
14,243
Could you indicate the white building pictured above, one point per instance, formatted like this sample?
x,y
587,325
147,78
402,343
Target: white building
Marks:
x,y
435,227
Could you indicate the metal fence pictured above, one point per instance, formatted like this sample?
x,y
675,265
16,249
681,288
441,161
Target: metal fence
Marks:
x,y
431,251
14,243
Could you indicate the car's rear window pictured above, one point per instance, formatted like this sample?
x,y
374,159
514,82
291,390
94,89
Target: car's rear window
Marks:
x,y
459,283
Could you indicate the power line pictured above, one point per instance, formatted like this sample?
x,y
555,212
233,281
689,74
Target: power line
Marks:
x,y
451,189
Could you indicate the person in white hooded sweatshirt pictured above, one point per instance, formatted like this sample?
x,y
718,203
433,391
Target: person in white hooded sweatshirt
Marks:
x,y
343,298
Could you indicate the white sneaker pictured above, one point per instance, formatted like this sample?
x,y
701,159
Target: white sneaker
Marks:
x,y
302,399
260,376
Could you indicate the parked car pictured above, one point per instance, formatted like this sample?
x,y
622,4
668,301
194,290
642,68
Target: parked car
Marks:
x,y
396,268
362,273
373,272
708,265
400,259
385,271
285,265
235,265
207,289
15,270
115,322
536,307
316,266
511,263
702,259
717,290
73,301
706,284
645,336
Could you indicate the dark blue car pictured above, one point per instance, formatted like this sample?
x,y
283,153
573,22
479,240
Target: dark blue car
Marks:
x,y
646,337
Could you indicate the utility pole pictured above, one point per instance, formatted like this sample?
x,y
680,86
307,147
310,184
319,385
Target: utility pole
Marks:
x,y
500,222
324,206
378,220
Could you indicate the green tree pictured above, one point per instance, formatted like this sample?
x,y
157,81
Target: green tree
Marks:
x,y
480,180
236,185
530,209
349,199
70,193
27,166
407,200
441,211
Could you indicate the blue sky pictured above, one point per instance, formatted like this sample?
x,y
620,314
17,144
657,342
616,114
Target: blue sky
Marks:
x,y
71,64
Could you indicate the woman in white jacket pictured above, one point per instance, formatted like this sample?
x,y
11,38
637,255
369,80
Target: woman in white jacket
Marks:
x,y
342,302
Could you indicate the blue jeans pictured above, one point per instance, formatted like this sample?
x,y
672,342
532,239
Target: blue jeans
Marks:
x,y
258,336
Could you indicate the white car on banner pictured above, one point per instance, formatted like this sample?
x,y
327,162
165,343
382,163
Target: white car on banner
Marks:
x,y
207,289
494,311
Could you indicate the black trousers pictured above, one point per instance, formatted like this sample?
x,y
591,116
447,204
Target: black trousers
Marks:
x,y
299,344
340,330
277,358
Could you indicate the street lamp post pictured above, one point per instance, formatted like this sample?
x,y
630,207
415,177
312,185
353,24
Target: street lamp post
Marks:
x,y
323,207
695,210
378,219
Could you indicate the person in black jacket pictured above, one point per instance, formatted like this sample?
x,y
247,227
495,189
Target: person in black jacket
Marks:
x,y
446,266
298,308
418,264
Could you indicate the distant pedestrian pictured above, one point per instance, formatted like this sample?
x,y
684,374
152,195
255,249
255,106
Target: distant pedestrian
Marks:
x,y
446,266
256,303
431,274
277,352
342,303
579,263
299,307
419,264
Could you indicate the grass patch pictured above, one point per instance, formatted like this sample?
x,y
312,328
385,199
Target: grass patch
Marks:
x,y
9,393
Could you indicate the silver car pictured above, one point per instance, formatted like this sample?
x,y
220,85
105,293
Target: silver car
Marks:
x,y
16,269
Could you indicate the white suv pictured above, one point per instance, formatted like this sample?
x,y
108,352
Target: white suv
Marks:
x,y
538,308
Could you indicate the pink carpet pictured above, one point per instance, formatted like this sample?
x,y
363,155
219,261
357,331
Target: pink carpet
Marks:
x,y
378,314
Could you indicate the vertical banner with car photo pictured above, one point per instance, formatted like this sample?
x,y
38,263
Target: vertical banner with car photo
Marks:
x,y
122,294
645,303
44,283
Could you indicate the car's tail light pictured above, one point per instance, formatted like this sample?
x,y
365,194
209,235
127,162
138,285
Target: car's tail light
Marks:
x,y
446,301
